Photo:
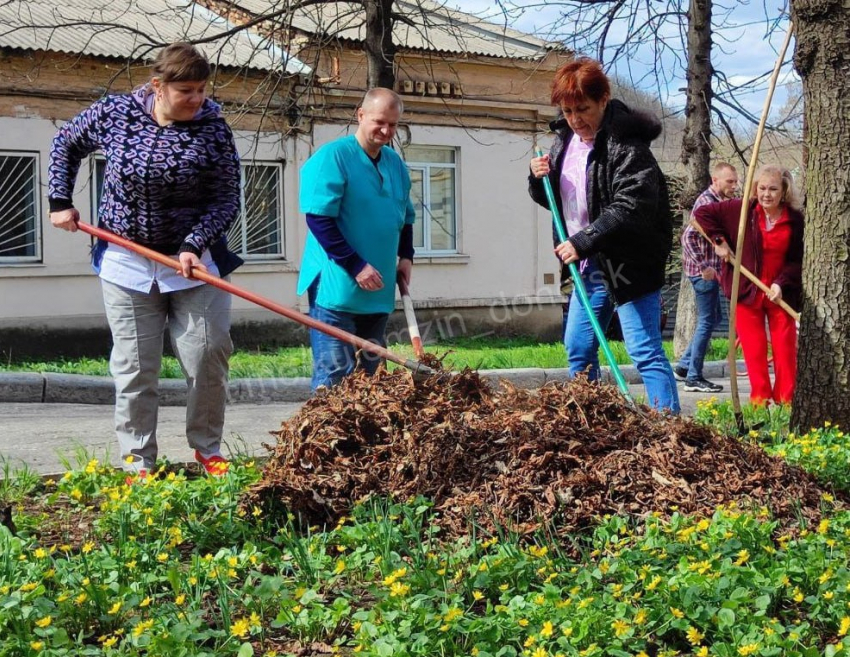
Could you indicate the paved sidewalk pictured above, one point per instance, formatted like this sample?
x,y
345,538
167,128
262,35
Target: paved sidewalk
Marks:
x,y
42,434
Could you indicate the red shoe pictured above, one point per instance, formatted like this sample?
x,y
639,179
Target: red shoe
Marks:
x,y
138,477
215,465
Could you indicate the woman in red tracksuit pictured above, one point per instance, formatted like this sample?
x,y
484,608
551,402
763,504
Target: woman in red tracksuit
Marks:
x,y
773,251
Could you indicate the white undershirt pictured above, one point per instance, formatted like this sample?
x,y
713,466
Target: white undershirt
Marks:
x,y
135,272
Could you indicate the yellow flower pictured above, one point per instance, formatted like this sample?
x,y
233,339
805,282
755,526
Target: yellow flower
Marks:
x,y
567,631
37,645
145,602
80,599
240,628
255,620
845,626
180,599
530,641
695,637
162,557
748,649
144,625
29,586
452,614
477,595
743,557
340,567
114,609
540,652
678,613
40,553
537,551
88,547
620,627
44,622
702,652
523,622
654,583
398,589
109,641
640,617
547,630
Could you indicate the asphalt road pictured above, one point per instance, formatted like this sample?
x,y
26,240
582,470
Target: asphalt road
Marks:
x,y
47,436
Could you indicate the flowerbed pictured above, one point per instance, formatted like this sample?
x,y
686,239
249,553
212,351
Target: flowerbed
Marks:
x,y
176,566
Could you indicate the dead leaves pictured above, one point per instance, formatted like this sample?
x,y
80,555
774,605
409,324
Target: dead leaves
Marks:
x,y
567,453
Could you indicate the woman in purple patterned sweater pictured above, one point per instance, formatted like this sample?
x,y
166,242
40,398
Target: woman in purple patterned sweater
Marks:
x,y
172,183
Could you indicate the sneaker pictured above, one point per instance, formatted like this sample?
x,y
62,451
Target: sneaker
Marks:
x,y
139,476
701,385
215,465
680,373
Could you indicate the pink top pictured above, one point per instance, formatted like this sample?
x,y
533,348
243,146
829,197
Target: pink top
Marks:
x,y
574,185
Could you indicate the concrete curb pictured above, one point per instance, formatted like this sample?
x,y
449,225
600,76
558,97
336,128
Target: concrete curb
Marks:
x,y
26,387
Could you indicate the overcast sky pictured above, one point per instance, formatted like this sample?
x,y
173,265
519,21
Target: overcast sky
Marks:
x,y
743,48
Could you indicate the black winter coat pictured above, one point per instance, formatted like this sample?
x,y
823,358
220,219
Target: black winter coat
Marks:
x,y
631,223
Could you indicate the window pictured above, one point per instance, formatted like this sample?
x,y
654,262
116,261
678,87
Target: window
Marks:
x,y
433,193
257,234
20,225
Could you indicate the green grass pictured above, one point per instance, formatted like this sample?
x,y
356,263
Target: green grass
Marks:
x,y
477,353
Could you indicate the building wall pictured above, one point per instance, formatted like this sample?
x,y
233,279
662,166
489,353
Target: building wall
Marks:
x,y
502,278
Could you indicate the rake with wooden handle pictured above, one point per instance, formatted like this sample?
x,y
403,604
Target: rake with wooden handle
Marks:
x,y
416,367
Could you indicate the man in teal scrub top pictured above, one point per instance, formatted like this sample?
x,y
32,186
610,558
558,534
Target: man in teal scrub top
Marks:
x,y
355,192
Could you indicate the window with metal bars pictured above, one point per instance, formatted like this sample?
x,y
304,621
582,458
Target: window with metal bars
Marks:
x,y
433,178
258,232
20,215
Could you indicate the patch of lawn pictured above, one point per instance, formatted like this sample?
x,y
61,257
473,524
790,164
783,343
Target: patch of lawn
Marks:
x,y
476,353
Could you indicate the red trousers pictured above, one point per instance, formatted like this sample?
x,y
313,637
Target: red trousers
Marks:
x,y
750,325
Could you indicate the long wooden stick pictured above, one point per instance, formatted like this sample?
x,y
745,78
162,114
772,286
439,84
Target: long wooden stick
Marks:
x,y
752,277
227,286
742,224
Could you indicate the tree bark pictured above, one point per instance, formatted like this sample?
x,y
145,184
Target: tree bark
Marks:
x,y
378,44
696,147
822,58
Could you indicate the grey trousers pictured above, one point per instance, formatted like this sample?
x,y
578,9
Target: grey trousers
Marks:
x,y
199,323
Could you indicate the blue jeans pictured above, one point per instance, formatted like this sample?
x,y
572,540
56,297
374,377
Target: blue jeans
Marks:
x,y
707,297
579,339
334,359
640,321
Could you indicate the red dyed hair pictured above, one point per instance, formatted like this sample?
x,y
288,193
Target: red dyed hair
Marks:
x,y
578,80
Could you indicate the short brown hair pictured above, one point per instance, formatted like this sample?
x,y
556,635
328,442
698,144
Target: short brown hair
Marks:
x,y
578,80
181,62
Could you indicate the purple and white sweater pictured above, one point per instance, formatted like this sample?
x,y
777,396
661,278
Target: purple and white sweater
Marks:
x,y
171,188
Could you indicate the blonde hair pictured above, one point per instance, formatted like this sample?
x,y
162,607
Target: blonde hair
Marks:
x,y
789,192
181,62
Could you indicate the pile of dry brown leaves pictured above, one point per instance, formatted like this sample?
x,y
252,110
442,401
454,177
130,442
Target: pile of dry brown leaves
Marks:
x,y
566,453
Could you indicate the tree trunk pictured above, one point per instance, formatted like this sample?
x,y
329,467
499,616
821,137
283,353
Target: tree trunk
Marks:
x,y
378,44
696,147
822,59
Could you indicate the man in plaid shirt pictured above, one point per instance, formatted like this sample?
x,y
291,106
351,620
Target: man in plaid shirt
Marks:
x,y
702,267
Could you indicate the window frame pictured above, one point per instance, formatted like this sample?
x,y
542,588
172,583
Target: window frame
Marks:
x,y
37,240
425,168
278,165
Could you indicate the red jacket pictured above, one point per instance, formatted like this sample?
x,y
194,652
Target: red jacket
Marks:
x,y
721,219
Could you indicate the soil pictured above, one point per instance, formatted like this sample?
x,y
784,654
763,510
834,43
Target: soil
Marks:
x,y
567,453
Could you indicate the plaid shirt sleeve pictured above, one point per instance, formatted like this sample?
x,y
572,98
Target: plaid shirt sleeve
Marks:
x,y
697,252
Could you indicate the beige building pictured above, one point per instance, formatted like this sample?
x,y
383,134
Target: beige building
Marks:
x,y
475,105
